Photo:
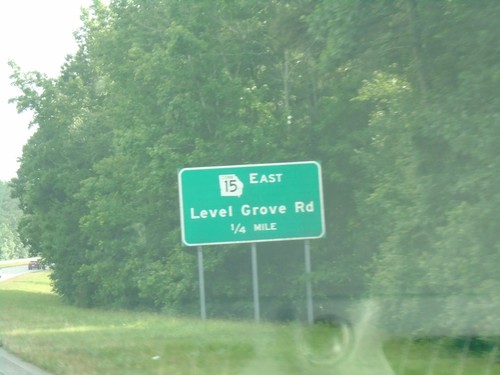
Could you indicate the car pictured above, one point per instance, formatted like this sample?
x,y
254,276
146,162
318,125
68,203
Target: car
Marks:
x,y
34,264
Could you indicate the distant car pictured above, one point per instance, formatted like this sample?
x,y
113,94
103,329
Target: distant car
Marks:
x,y
34,265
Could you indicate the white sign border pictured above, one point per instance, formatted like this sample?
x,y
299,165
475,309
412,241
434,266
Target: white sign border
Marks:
x,y
181,207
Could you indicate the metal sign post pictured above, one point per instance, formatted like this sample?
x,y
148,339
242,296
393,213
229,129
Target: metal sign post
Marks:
x,y
255,284
309,297
201,278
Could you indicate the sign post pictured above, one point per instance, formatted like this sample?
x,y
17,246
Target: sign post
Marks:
x,y
255,284
249,204
201,278
307,258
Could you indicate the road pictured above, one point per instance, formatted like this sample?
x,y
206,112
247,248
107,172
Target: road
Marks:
x,y
10,272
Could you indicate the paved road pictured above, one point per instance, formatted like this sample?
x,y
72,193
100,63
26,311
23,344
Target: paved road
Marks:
x,y
9,363
10,272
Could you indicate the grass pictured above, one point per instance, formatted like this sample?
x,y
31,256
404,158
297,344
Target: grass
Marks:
x,y
67,340
14,264
438,357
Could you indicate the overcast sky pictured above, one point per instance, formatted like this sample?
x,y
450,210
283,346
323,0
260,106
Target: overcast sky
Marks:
x,y
37,35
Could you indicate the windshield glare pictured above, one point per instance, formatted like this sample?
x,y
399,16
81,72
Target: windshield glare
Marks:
x,y
314,182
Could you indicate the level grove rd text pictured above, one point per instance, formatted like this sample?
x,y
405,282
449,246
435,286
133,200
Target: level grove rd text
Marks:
x,y
249,210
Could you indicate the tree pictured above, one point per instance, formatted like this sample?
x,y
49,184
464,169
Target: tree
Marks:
x,y
387,95
231,83
10,214
432,160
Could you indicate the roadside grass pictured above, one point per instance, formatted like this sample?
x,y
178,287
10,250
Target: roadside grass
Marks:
x,y
14,264
62,339
38,327
436,357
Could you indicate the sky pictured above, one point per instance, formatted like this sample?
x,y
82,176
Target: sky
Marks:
x,y
37,35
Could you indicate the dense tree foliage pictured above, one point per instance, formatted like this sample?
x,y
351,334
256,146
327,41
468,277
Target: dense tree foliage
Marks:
x,y
11,246
433,157
398,100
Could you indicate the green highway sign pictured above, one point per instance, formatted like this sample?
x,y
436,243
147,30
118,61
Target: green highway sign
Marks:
x,y
251,203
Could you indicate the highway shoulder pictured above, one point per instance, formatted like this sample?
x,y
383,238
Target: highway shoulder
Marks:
x,y
12,365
